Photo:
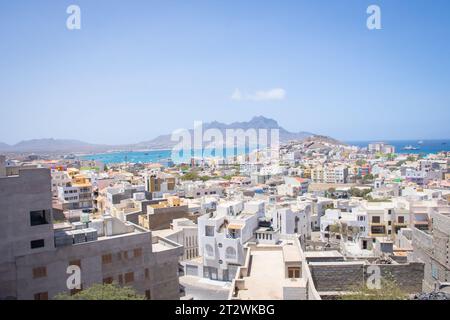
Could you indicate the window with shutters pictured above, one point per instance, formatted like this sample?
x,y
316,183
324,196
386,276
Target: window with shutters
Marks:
x,y
129,277
75,290
75,263
41,296
108,280
137,253
293,272
106,258
39,272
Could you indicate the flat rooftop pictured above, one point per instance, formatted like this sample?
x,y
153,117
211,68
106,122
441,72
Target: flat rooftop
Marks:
x,y
266,272
323,254
266,276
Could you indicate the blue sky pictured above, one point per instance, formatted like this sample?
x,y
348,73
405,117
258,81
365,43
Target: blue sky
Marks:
x,y
137,69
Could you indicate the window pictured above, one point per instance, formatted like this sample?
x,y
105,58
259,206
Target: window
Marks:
x,y
230,253
129,277
376,219
137,252
39,217
37,244
39,272
108,280
293,272
106,258
434,272
120,279
401,219
209,250
75,290
378,230
209,231
147,274
41,296
75,263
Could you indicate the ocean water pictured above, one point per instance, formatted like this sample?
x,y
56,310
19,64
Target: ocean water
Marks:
x,y
160,155
428,146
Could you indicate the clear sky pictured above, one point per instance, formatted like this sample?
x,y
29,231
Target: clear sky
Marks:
x,y
137,69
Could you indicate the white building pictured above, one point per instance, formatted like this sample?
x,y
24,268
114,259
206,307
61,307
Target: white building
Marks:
x,y
59,179
222,236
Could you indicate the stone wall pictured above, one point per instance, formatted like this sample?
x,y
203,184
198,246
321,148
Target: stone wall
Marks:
x,y
344,276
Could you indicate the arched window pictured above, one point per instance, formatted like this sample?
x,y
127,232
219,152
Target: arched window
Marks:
x,y
230,253
209,250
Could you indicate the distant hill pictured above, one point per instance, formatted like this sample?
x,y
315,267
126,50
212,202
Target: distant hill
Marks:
x,y
160,142
323,139
4,146
164,141
51,145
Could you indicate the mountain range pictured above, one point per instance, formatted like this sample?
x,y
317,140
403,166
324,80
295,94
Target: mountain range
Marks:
x,y
160,142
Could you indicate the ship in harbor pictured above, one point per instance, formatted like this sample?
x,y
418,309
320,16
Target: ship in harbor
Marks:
x,y
410,147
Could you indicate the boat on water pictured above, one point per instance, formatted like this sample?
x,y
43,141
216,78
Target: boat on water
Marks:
x,y
420,142
410,148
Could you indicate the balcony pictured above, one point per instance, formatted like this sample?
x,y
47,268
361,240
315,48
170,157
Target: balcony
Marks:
x,y
377,230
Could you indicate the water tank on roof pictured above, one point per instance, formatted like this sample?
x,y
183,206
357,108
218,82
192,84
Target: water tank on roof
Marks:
x,y
84,217
139,196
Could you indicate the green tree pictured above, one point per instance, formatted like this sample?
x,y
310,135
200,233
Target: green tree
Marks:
x,y
360,193
400,163
103,292
391,156
389,291
334,229
193,175
205,178
360,162
368,177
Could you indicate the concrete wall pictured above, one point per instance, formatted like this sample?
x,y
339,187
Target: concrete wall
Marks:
x,y
31,191
2,166
19,195
344,276
162,279
432,250
159,219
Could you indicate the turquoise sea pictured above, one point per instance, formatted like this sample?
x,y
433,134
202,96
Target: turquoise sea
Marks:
x,y
428,146
424,146
159,155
